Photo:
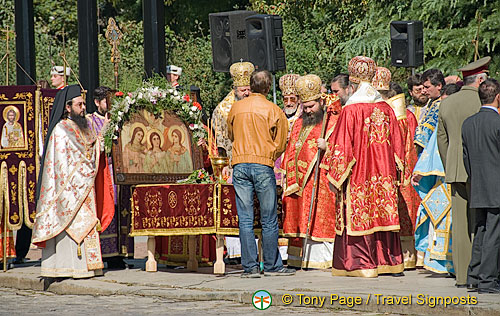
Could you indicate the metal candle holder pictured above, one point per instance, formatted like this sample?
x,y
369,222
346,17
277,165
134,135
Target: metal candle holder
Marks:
x,y
218,163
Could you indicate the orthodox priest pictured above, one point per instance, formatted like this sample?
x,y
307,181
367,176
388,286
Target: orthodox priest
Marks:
x,y
74,192
301,156
365,154
241,73
408,198
292,110
115,243
433,83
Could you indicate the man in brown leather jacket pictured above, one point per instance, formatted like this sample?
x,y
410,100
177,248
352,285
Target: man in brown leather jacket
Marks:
x,y
258,129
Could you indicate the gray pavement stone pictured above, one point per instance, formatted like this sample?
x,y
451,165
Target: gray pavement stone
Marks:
x,y
429,292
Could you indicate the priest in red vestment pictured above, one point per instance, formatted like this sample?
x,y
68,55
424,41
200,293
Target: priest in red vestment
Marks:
x,y
365,153
409,200
299,161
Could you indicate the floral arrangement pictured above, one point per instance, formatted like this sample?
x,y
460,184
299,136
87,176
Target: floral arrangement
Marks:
x,y
156,100
197,177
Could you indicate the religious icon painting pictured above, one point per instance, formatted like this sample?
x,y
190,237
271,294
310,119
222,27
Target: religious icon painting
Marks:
x,y
19,110
154,149
14,126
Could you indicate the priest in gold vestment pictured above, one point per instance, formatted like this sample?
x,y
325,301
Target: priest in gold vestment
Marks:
x,y
300,159
74,192
240,72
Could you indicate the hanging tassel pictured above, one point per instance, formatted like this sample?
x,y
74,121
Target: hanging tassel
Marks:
x,y
79,251
98,226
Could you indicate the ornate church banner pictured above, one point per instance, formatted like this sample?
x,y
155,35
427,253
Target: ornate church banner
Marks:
x,y
46,100
18,149
24,113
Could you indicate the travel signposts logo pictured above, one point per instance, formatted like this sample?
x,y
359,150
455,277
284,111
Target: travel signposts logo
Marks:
x,y
261,300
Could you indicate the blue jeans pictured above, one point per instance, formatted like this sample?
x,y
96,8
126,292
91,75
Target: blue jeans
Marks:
x,y
247,178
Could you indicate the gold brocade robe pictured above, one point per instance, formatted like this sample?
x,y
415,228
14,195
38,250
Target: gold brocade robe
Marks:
x,y
219,123
67,193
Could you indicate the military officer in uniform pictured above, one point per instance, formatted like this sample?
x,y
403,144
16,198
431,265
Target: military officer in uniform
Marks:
x,y
452,113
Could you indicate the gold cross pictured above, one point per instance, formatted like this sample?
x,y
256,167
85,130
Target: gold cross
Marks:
x,y
113,36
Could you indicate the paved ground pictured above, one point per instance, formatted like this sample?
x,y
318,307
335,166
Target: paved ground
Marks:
x,y
25,302
179,292
308,292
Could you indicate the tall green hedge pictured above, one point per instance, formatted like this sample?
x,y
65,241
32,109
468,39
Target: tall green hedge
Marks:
x,y
320,36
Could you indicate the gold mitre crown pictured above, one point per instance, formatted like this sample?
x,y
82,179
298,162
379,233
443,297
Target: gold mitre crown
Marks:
x,y
308,87
287,84
241,73
361,68
381,79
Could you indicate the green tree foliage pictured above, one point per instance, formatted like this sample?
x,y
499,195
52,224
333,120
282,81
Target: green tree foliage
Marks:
x,y
191,16
320,36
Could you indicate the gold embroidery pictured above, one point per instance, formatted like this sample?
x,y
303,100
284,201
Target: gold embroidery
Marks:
x,y
31,168
302,164
192,202
153,203
14,217
373,204
13,170
312,143
377,126
172,199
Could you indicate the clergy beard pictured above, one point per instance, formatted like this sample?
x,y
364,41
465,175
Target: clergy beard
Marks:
x,y
290,112
79,120
237,96
312,118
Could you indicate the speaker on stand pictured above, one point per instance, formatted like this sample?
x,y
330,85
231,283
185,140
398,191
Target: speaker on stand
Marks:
x,y
265,45
229,38
407,43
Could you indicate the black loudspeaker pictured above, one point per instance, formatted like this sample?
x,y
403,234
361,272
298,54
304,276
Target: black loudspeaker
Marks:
x,y
265,46
407,43
229,39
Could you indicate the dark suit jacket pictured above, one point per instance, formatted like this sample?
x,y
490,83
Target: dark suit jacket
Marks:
x,y
481,143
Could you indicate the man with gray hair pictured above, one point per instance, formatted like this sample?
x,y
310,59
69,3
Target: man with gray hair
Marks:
x,y
452,113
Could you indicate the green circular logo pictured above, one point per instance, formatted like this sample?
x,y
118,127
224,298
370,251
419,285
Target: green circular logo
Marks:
x,y
261,299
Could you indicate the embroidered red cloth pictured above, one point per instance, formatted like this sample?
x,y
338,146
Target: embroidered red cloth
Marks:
x,y
187,209
366,147
299,162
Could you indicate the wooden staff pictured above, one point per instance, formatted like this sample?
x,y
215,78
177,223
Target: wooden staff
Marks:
x,y
316,180
7,53
4,243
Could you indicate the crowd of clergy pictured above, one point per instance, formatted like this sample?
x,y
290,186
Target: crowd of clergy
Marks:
x,y
369,180
375,182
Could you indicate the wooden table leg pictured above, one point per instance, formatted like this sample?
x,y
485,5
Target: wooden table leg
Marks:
x,y
192,264
151,263
219,266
